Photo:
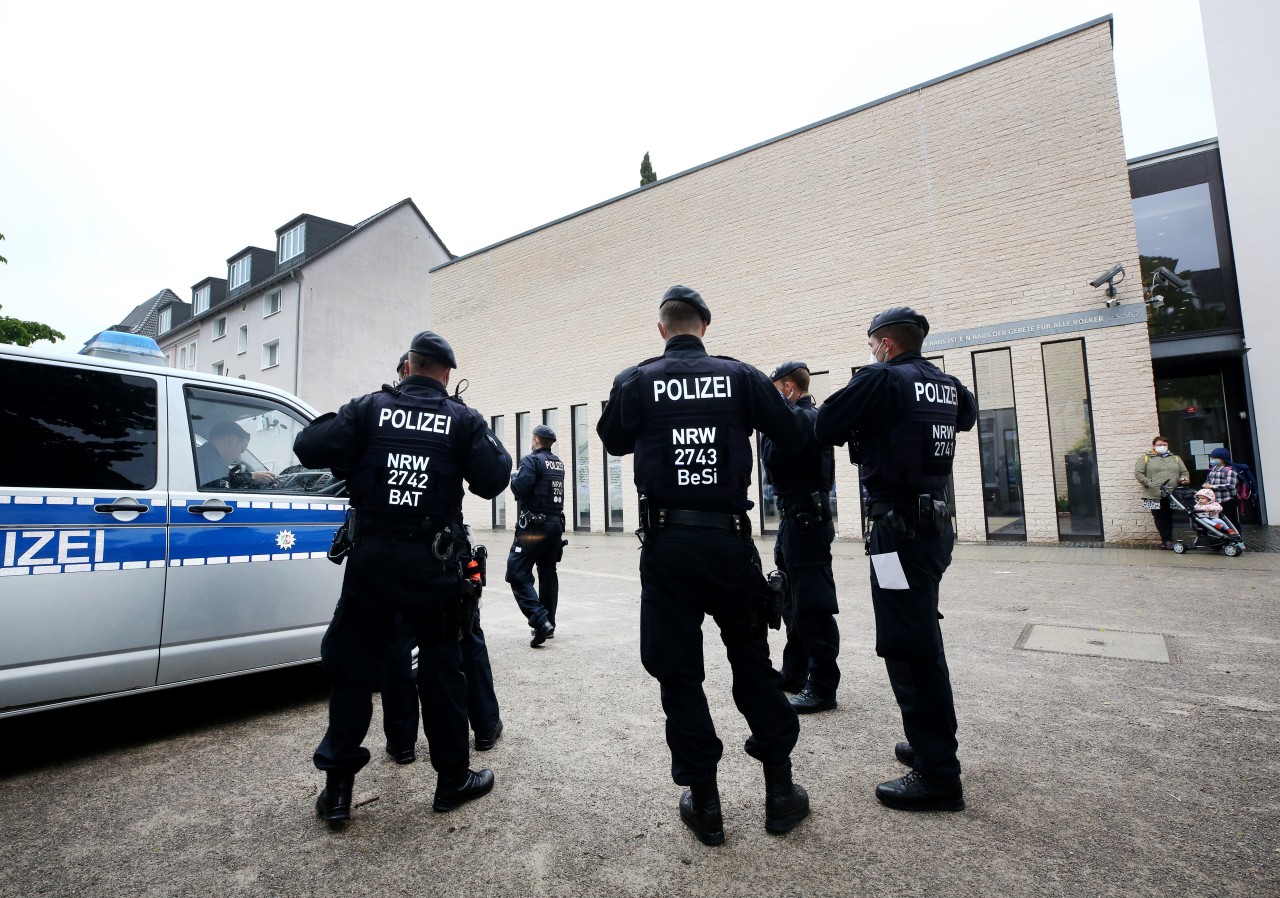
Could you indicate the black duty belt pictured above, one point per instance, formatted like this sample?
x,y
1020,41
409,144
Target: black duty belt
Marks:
x,y
815,504
680,517
407,529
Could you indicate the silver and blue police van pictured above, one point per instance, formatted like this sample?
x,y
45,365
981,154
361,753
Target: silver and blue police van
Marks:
x,y
155,529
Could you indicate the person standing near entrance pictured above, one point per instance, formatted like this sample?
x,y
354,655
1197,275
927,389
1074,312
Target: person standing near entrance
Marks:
x,y
802,485
1155,469
688,417
538,486
900,414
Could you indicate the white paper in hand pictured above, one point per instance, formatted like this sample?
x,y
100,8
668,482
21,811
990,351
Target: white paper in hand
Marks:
x,y
889,571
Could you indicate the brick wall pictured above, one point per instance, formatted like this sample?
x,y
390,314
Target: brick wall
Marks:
x,y
992,196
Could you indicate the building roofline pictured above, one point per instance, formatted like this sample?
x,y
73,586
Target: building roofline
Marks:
x,y
1108,19
1187,149
285,275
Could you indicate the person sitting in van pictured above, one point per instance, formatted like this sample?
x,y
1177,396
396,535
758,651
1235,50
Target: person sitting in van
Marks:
x,y
220,453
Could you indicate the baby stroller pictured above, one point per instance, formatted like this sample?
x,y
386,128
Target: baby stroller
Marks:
x,y
1203,534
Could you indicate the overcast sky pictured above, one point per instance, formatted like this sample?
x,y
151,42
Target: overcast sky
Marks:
x,y
141,144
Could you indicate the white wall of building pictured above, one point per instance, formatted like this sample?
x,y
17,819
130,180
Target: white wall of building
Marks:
x,y
1244,72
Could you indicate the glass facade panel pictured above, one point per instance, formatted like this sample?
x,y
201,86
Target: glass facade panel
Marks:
x,y
1075,457
1193,417
998,444
551,417
581,472
769,519
524,437
1176,234
613,490
499,425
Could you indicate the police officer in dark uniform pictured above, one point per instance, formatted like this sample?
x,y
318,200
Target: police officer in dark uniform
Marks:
x,y
538,486
405,452
688,417
900,415
802,485
400,718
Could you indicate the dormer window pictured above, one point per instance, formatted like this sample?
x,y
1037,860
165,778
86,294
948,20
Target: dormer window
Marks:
x,y
200,302
166,320
292,242
240,272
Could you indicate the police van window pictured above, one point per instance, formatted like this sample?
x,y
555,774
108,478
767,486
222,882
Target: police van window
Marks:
x,y
76,428
244,443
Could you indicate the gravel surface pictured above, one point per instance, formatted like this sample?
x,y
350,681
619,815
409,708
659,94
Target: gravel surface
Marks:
x,y
1083,776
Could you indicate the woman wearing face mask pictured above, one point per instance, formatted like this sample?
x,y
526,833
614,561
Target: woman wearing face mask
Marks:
x,y
1155,469
1223,480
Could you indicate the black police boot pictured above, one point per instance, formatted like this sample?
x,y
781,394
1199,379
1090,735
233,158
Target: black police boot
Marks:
x,y
785,803
457,790
915,792
700,811
403,755
485,741
807,701
905,753
541,634
334,803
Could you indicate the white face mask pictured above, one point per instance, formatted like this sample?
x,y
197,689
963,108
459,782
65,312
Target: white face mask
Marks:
x,y
1214,462
1162,450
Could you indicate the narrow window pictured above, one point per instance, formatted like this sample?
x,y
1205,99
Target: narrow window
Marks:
x,y
1075,457
242,340
612,490
219,327
998,444
498,423
581,473
270,354
271,304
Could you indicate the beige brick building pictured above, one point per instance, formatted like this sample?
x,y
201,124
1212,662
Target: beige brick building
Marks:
x,y
987,198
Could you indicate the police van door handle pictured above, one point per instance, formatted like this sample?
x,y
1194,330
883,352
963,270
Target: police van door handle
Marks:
x,y
125,509
210,508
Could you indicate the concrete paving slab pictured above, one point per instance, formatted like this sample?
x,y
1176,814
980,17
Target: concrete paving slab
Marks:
x,y
1084,776
1099,643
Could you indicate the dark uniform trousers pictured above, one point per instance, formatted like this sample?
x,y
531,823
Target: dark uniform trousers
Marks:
x,y
400,687
539,546
909,639
385,577
685,574
803,553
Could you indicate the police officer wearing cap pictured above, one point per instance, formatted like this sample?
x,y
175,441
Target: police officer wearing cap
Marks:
x,y
688,417
899,414
538,486
405,452
802,485
400,718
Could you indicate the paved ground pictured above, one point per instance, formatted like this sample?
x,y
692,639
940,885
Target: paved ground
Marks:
x,y
1085,776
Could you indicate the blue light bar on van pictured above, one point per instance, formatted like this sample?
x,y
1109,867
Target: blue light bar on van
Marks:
x,y
124,347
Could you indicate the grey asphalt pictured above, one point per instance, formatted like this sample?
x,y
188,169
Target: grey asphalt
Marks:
x,y
1084,776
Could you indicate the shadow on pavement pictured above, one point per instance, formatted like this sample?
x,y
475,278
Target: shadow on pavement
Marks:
x,y
83,731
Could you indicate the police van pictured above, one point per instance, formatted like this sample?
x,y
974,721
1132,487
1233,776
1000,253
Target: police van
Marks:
x,y
155,529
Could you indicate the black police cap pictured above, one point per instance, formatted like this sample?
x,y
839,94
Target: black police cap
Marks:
x,y
545,432
786,368
435,346
680,293
899,315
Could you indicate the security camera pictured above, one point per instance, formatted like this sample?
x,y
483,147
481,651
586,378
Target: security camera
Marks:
x,y
1109,277
1163,275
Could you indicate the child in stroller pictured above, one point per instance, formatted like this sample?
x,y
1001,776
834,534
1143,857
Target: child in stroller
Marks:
x,y
1209,511
1210,530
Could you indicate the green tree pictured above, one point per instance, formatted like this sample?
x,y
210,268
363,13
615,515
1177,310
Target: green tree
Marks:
x,y
24,333
646,172
2,258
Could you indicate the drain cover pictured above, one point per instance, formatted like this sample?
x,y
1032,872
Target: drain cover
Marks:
x,y
1095,642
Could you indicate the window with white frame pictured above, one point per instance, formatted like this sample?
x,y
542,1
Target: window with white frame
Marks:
x,y
182,356
165,321
219,368
271,304
191,355
200,302
219,327
239,272
292,242
270,354
242,340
